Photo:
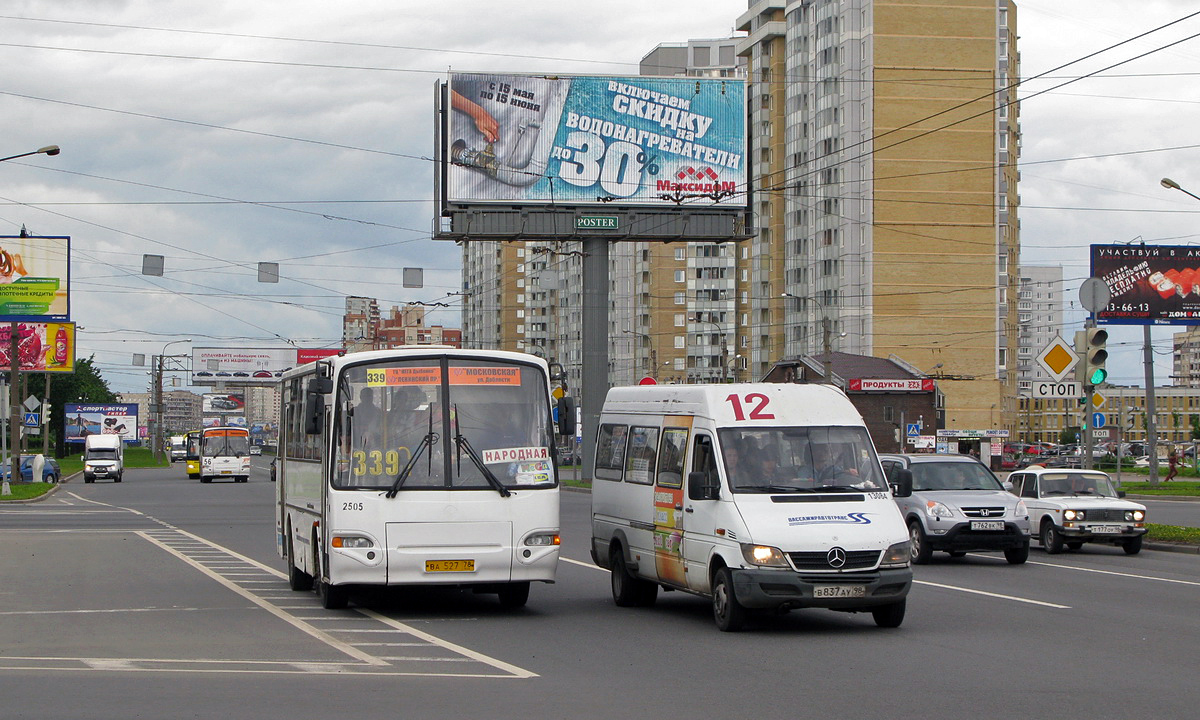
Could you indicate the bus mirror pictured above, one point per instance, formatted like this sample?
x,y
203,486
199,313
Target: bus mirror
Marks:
x,y
566,415
314,409
323,385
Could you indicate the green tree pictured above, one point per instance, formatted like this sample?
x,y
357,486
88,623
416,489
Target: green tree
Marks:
x,y
83,386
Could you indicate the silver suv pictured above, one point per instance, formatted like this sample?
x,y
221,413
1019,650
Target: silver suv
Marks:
x,y
958,506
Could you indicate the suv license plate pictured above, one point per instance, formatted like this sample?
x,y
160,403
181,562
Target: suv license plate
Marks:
x,y
449,566
987,524
1106,529
839,591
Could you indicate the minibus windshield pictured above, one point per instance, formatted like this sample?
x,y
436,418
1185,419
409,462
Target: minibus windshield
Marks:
x,y
800,459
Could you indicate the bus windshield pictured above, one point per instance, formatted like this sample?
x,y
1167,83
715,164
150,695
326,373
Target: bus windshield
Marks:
x,y
443,424
800,459
225,443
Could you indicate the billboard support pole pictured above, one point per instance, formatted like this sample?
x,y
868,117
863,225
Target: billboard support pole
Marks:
x,y
46,418
1151,426
14,404
595,341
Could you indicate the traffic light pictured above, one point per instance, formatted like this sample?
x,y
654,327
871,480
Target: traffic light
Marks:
x,y
1094,356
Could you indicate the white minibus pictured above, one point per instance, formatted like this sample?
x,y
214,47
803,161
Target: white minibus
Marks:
x,y
759,496
418,466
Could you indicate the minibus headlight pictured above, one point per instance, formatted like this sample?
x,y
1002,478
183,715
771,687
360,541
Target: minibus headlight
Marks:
x,y
896,555
543,539
764,555
353,542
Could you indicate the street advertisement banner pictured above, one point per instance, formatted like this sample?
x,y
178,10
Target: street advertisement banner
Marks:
x,y
227,421
1150,285
307,355
592,139
216,403
35,279
41,347
240,365
116,419
891,385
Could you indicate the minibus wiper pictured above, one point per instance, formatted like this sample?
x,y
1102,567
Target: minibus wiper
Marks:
x,y
462,443
774,488
426,443
838,488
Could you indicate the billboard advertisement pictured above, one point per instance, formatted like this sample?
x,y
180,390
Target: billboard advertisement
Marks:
x,y
244,365
116,419
1150,285
229,421
217,403
41,347
307,355
592,139
35,279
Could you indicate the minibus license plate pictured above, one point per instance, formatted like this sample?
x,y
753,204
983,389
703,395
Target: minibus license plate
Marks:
x,y
839,591
987,524
449,566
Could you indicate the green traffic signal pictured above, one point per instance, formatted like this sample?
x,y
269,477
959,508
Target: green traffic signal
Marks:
x,y
1098,376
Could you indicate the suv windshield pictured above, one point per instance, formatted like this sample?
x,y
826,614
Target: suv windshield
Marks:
x,y
800,459
952,476
419,424
1075,483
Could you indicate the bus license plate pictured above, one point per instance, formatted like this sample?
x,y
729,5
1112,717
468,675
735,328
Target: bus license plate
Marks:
x,y
449,566
839,591
987,524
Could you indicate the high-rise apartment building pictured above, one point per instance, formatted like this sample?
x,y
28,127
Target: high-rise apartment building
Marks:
x,y
1040,317
884,145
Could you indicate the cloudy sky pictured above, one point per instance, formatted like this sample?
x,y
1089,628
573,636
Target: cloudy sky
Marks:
x,y
220,134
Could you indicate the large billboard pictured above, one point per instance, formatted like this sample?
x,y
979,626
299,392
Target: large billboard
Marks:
x,y
595,140
1150,284
118,419
240,365
35,279
41,347
221,403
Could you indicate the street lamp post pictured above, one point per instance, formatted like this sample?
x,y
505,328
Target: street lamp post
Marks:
x,y
653,355
14,418
826,332
724,345
158,399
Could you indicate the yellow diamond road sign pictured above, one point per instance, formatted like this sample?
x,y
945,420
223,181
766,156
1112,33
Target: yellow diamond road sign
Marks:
x,y
1058,358
1098,400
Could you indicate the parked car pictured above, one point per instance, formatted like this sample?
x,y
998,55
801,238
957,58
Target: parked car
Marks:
x,y
958,506
51,473
1070,507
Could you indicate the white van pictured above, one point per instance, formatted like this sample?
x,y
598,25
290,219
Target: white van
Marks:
x,y
103,457
758,496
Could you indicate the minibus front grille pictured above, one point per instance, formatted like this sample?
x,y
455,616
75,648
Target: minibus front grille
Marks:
x,y
819,561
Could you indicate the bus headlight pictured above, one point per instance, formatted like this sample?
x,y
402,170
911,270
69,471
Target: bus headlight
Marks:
x,y
543,539
764,555
895,556
354,542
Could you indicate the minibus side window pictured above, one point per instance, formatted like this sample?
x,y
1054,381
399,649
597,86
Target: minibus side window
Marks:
x,y
703,461
610,451
642,457
670,459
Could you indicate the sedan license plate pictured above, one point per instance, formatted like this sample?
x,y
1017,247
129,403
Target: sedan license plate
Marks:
x,y
1106,529
839,591
987,524
449,566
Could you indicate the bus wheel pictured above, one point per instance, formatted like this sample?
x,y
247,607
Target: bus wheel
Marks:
x,y
514,595
333,597
297,579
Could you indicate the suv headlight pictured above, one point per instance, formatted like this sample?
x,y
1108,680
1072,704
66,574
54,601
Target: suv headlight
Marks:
x,y
1135,515
937,509
896,556
1074,515
763,555
1021,510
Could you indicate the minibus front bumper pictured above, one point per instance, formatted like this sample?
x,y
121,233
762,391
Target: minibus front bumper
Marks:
x,y
764,588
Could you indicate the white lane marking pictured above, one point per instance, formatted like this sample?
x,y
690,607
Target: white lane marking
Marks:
x,y
1134,576
1014,598
269,607
915,582
498,664
104,504
97,612
256,667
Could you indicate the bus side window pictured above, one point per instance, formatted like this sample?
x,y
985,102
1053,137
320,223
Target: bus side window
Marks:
x,y
703,478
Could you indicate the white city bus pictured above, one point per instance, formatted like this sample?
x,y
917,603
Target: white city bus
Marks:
x,y
225,453
418,466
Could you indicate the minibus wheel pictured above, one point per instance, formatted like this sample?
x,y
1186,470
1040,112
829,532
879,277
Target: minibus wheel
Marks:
x,y
627,590
728,613
889,616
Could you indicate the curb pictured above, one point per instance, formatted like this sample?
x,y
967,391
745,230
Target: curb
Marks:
x,y
1172,547
44,495
1186,498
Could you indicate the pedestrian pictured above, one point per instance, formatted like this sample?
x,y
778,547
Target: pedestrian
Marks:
x,y
1172,462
